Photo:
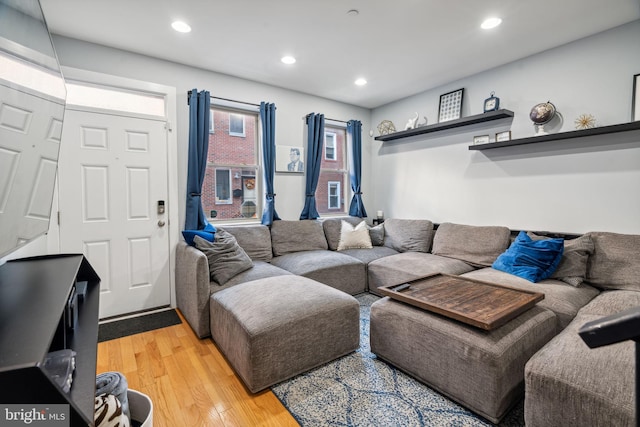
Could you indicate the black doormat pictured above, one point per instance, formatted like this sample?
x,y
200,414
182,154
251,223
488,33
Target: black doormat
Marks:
x,y
136,325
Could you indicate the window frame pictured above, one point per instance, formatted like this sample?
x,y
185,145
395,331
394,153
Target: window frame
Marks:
x,y
337,185
211,122
219,201
241,134
334,146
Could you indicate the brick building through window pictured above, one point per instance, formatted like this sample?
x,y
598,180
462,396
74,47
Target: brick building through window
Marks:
x,y
230,189
333,183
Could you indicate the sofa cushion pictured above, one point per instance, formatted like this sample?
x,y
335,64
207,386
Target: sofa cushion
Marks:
x,y
615,263
331,268
297,236
254,239
476,245
354,237
561,298
404,235
568,383
368,255
611,302
573,265
226,258
530,259
406,266
260,270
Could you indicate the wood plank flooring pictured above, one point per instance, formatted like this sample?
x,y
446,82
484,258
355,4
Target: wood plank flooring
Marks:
x,y
189,381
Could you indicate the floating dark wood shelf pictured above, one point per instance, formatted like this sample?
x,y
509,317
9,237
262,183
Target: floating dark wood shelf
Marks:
x,y
451,124
603,130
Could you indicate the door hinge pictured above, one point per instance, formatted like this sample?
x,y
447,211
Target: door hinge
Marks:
x,y
167,126
58,218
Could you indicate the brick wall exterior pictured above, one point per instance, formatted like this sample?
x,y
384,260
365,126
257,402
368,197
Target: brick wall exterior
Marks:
x,y
333,170
237,153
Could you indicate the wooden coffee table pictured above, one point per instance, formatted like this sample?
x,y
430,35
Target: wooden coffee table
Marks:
x,y
481,304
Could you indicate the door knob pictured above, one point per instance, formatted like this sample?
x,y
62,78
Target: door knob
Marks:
x,y
161,223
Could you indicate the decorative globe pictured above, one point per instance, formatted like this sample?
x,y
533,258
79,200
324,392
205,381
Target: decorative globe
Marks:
x,y
542,113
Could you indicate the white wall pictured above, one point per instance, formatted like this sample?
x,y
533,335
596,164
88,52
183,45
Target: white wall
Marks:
x,y
291,107
573,186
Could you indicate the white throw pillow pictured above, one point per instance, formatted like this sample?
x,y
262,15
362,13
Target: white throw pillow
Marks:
x,y
354,237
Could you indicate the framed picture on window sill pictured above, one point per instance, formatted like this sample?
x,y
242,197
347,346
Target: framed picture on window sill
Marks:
x,y
289,159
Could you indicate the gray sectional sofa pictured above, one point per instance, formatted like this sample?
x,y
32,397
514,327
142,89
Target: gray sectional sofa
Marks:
x,y
599,275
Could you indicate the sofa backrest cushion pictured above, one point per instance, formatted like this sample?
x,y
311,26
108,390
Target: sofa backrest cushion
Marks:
x,y
615,263
333,226
255,239
479,246
408,235
297,236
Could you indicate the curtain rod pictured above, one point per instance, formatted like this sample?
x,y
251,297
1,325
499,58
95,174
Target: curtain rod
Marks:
x,y
326,118
223,99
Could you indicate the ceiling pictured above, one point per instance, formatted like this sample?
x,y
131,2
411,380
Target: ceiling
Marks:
x,y
401,47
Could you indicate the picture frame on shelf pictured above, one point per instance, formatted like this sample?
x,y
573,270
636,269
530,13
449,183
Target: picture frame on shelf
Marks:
x,y
503,136
480,139
450,107
635,99
290,159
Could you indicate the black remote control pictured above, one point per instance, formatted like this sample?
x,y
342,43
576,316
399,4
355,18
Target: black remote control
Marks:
x,y
401,287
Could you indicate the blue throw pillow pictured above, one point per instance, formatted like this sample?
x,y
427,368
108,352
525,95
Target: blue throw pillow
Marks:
x,y
533,260
209,234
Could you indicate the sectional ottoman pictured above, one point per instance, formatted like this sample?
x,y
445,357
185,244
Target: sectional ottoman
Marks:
x,y
275,328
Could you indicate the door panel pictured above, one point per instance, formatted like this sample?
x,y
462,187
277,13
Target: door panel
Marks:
x,y
108,196
30,129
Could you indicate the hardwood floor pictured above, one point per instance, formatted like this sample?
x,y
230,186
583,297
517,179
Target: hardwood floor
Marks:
x,y
189,381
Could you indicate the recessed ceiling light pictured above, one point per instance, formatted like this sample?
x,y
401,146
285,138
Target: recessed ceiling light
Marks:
x,y
353,12
490,23
288,60
361,82
181,27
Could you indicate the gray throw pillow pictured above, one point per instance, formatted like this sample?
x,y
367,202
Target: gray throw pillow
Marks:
x,y
573,265
226,258
377,235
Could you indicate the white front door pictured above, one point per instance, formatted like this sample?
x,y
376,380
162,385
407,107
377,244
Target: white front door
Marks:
x,y
113,178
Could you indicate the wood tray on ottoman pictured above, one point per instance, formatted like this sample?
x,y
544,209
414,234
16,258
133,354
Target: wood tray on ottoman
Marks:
x,y
481,304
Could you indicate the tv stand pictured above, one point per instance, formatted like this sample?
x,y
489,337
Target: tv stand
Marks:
x,y
34,295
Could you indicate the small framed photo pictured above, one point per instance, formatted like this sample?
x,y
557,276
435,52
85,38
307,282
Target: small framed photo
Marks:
x,y
450,106
635,103
289,159
481,139
503,136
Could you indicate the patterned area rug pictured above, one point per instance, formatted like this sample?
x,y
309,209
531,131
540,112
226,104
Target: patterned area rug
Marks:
x,y
361,390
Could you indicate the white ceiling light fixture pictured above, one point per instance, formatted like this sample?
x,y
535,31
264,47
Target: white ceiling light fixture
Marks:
x,y
288,60
181,27
489,23
361,82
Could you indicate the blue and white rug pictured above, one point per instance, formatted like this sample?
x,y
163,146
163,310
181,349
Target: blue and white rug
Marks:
x,y
360,390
